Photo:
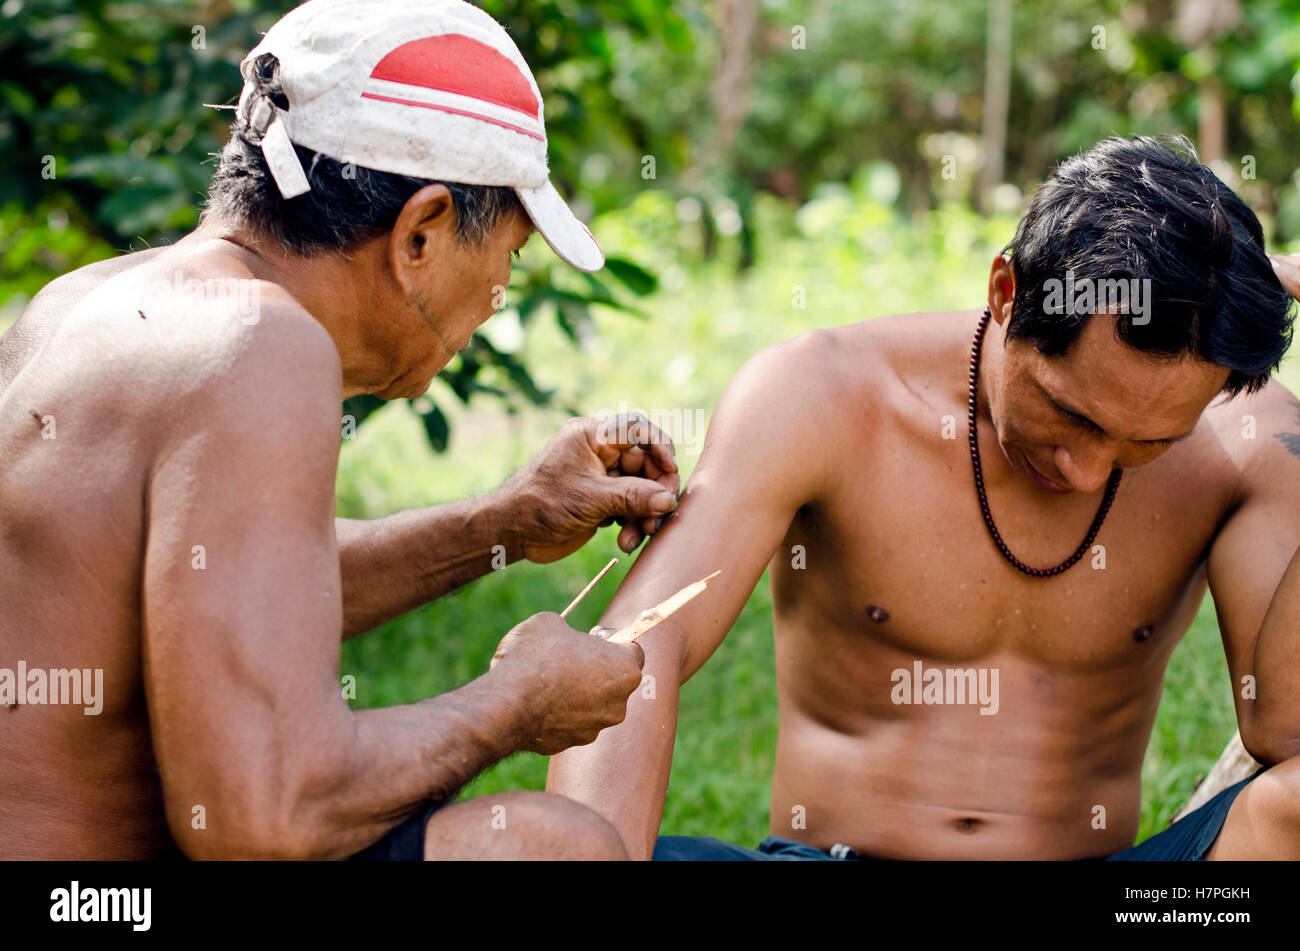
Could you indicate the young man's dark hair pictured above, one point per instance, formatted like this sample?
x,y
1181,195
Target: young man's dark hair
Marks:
x,y
1138,209
347,204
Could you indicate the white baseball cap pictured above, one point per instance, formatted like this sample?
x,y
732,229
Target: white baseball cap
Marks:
x,y
433,89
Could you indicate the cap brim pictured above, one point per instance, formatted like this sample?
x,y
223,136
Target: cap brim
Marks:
x,y
567,236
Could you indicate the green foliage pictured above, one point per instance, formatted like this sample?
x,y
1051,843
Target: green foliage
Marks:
x,y
107,138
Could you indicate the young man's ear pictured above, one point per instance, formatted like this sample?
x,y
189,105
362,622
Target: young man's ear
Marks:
x,y
422,235
1002,287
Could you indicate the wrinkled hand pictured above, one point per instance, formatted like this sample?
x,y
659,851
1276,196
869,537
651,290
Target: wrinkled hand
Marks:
x,y
573,685
594,472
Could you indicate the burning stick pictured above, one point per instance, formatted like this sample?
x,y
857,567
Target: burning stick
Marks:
x,y
589,586
660,612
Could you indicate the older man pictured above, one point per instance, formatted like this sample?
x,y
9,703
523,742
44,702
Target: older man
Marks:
x,y
987,531
169,424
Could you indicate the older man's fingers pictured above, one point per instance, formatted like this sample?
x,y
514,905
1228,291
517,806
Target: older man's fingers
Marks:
x,y
672,481
612,436
665,454
629,538
669,479
632,461
628,497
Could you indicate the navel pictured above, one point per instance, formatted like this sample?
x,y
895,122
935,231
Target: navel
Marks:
x,y
969,825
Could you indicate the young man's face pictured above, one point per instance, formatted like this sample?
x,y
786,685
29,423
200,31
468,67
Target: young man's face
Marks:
x,y
1067,421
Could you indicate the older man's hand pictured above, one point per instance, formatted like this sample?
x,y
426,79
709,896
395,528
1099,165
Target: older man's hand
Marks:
x,y
594,472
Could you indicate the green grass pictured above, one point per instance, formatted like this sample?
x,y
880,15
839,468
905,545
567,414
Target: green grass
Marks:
x,y
854,260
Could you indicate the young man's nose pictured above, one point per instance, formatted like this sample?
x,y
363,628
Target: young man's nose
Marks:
x,y
1085,466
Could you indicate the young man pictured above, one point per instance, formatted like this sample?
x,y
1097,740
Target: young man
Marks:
x,y
987,531
169,424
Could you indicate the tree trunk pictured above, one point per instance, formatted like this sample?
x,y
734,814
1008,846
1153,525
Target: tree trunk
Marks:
x,y
1234,764
997,98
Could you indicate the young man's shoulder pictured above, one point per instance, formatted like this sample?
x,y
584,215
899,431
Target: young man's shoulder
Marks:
x,y
887,360
1256,432
827,396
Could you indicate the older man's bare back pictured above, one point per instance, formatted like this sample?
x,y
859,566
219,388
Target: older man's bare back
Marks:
x,y
859,493
97,378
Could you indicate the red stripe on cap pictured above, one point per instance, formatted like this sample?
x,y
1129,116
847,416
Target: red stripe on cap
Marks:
x,y
458,64
458,112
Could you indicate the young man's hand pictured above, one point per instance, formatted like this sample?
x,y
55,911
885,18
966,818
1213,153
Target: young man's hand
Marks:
x,y
572,685
1287,267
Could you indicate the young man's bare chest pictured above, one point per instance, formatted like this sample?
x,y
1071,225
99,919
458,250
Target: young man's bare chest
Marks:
x,y
898,560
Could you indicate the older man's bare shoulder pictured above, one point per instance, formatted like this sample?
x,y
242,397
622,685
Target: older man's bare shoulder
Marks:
x,y
189,327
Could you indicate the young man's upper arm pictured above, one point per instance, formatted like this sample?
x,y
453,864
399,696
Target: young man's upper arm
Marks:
x,y
241,598
764,457
1257,541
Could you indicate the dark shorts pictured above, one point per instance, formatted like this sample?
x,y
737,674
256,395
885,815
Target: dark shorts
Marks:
x,y
690,848
403,843
1188,839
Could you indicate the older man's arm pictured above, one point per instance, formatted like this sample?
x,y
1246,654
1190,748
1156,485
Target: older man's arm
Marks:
x,y
764,458
240,654
1254,574
589,473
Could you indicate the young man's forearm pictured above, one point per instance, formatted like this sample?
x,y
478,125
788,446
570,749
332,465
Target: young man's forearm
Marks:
x,y
392,565
624,774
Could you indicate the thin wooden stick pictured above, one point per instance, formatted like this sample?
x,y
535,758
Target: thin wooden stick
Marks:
x,y
647,619
590,584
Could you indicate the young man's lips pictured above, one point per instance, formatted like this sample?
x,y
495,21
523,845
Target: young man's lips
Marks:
x,y
1041,479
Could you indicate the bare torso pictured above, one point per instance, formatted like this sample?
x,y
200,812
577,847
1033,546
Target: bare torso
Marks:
x,y
84,398
900,569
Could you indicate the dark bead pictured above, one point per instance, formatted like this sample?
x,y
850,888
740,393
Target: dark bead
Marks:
x,y
1111,488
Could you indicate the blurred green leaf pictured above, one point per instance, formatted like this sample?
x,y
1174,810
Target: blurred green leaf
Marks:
x,y
436,428
634,277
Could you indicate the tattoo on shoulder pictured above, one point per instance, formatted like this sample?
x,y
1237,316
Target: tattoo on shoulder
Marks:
x,y
1292,440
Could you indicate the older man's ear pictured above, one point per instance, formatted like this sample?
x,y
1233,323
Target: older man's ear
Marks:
x,y
422,233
